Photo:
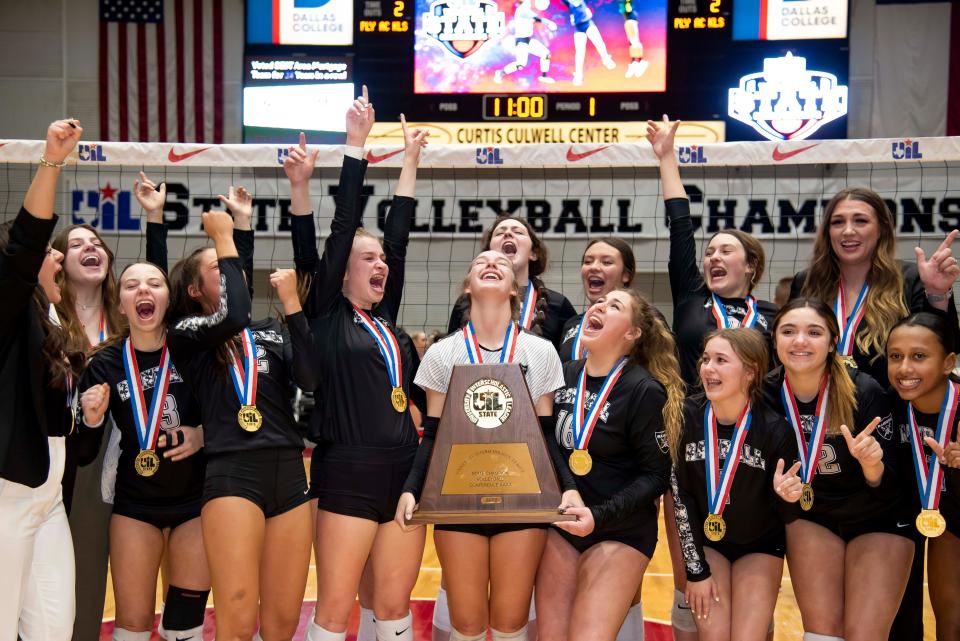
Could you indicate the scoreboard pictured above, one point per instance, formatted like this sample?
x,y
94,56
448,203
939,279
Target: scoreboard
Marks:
x,y
554,61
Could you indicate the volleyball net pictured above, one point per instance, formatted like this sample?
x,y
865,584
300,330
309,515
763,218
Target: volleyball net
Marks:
x,y
569,193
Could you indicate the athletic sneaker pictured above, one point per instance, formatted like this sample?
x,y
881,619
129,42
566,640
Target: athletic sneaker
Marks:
x,y
547,80
640,66
609,62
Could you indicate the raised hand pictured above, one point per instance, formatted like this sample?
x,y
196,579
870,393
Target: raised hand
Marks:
x,y
413,141
285,282
661,135
299,163
949,455
94,403
940,271
240,203
865,448
62,137
150,197
218,225
787,484
360,119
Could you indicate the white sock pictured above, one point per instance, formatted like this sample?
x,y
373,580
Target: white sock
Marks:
x,y
810,636
316,633
632,627
367,630
519,635
193,634
441,612
455,635
119,634
398,629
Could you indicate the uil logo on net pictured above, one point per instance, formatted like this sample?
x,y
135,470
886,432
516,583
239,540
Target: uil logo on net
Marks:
x,y
463,26
787,101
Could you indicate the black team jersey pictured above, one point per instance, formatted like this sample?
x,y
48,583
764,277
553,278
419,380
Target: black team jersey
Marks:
x,y
175,483
193,344
558,312
753,510
915,299
950,494
631,457
840,492
350,373
693,315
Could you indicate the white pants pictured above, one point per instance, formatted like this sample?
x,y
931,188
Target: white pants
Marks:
x,y
36,552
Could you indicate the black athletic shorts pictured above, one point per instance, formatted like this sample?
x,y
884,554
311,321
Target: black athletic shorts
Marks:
x,y
643,540
774,545
892,522
159,517
490,530
273,479
365,482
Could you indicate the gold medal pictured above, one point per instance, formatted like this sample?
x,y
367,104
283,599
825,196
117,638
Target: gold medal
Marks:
x,y
147,463
580,462
249,418
806,497
399,399
849,361
931,523
714,527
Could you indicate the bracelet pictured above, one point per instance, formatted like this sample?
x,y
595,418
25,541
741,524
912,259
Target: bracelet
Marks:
x,y
938,298
46,163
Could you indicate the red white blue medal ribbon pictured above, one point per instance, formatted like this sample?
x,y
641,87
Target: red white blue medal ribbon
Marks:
x,y
583,421
529,309
244,373
848,328
720,481
386,343
507,352
146,420
102,328
723,319
809,451
930,480
577,349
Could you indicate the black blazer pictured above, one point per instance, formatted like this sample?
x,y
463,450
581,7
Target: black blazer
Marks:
x,y
27,413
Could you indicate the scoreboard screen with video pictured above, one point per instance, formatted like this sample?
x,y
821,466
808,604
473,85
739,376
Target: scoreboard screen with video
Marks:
x,y
758,69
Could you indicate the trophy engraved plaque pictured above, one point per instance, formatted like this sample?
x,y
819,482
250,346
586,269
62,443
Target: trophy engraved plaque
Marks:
x,y
490,462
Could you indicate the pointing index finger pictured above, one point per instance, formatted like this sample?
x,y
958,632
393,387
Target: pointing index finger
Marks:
x,y
868,430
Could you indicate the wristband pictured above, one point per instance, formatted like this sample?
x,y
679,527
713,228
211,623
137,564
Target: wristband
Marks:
x,y
938,298
46,163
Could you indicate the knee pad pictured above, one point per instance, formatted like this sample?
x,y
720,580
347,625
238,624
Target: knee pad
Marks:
x,y
456,635
441,612
119,634
184,609
398,629
519,635
367,630
681,616
810,636
316,633
632,627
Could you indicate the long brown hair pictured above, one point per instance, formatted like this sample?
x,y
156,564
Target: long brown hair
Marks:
x,y
842,401
753,253
751,348
884,304
67,307
656,351
534,269
63,363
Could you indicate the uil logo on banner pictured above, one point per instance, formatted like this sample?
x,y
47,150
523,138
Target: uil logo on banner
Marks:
x,y
106,208
91,153
489,156
488,403
906,150
463,26
691,155
787,101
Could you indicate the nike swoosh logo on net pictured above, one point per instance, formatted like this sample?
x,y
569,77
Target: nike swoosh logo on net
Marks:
x,y
574,157
373,159
783,155
175,157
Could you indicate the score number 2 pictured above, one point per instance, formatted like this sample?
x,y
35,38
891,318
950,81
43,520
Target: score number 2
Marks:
x,y
400,5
